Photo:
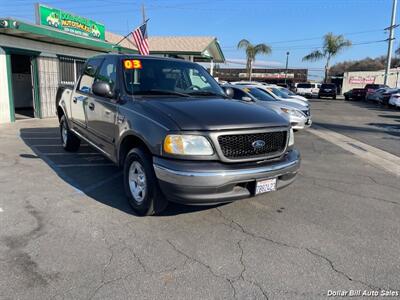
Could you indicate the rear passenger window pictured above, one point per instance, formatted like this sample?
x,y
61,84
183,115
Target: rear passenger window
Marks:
x,y
107,72
87,79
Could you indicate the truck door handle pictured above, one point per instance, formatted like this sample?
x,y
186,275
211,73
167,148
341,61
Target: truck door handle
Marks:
x,y
91,106
75,99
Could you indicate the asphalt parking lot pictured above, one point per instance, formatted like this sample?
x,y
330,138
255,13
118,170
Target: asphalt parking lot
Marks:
x,y
67,232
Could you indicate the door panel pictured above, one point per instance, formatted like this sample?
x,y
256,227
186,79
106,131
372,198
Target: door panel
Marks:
x,y
101,121
78,103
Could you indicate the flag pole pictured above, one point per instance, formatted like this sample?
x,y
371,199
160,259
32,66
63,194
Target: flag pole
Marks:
x,y
126,36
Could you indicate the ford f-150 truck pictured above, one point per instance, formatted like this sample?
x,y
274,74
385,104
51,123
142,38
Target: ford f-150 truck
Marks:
x,y
175,132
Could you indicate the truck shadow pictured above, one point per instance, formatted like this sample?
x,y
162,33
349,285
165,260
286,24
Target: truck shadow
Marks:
x,y
86,170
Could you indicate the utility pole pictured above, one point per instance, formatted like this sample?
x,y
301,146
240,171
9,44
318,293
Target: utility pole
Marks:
x,y
390,41
287,61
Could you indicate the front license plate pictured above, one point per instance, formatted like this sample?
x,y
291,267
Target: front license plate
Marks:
x,y
265,186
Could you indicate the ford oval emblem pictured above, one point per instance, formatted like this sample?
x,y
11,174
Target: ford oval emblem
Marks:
x,y
258,144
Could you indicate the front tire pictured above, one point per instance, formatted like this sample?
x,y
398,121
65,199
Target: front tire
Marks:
x,y
141,185
69,141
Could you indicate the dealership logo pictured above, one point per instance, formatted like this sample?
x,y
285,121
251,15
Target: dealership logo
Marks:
x,y
258,144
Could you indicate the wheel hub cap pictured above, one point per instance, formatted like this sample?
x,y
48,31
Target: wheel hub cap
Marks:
x,y
137,181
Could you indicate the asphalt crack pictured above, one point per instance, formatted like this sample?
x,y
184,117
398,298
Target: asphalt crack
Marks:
x,y
246,232
331,264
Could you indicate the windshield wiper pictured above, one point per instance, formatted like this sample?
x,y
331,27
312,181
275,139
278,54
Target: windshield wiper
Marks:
x,y
207,93
161,92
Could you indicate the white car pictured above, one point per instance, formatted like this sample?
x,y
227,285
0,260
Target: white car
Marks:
x,y
308,89
270,91
287,94
298,115
395,100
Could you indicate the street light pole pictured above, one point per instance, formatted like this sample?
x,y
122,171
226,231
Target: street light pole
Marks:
x,y
287,61
390,45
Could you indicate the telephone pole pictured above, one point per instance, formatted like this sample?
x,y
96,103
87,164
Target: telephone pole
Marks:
x,y
287,62
390,41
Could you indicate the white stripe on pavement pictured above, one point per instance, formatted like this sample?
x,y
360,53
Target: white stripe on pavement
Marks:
x,y
374,156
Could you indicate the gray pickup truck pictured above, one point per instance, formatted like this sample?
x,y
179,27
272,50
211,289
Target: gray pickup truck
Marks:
x,y
175,132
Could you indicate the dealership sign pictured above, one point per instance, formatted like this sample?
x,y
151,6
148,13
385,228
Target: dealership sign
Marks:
x,y
67,22
361,79
268,75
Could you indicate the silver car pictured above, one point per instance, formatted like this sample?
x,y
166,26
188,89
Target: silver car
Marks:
x,y
299,115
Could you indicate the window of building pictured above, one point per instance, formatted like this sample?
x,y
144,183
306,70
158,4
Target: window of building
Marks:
x,y
70,69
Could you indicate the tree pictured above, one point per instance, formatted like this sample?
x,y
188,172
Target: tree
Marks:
x,y
251,52
332,46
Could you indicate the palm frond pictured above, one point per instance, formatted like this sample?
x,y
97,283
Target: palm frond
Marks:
x,y
262,49
313,56
243,44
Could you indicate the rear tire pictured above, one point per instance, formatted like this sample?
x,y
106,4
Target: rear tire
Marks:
x,y
69,141
141,185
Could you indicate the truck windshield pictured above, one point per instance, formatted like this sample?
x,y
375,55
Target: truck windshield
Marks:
x,y
168,77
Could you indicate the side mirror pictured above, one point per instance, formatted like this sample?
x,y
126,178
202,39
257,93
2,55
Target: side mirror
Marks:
x,y
102,89
246,98
229,92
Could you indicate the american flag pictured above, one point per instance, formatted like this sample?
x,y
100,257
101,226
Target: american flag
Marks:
x,y
140,37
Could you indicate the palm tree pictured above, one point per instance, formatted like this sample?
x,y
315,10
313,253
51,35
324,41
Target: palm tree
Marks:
x,y
333,44
251,52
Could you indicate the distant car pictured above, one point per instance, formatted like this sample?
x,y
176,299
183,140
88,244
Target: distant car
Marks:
x,y
371,88
355,94
287,94
275,93
307,90
386,95
348,95
395,99
298,115
327,90
376,95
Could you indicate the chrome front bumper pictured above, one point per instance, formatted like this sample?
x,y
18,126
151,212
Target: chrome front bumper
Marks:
x,y
200,182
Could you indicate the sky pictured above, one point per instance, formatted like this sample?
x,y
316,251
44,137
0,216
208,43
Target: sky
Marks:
x,y
296,26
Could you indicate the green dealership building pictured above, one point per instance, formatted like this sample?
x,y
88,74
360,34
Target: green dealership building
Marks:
x,y
36,58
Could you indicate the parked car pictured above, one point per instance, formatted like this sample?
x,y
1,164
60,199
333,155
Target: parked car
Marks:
x,y
274,92
395,99
371,88
386,95
327,90
355,94
298,115
288,94
376,95
307,90
175,133
348,95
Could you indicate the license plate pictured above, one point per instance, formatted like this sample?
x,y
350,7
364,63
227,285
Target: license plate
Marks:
x,y
265,186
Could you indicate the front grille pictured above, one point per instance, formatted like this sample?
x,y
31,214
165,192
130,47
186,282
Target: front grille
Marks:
x,y
240,146
306,112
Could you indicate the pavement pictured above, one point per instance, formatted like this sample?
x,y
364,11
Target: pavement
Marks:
x,y
67,232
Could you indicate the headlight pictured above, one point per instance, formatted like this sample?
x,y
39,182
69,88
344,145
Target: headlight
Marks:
x,y
187,145
293,112
291,137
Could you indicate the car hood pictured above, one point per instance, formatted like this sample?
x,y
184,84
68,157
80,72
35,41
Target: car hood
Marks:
x,y
296,101
298,97
215,113
282,104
